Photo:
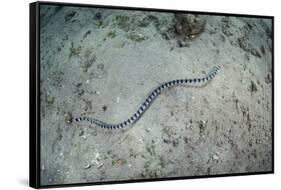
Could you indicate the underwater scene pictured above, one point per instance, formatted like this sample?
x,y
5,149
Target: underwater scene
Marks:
x,y
132,94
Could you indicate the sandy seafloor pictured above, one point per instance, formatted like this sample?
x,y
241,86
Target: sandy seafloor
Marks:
x,y
102,63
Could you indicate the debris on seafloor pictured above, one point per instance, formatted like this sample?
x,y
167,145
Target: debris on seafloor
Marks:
x,y
87,166
268,78
253,87
50,99
175,142
79,90
68,118
202,127
104,108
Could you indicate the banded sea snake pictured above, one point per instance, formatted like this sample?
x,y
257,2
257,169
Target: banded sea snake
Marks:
x,y
137,115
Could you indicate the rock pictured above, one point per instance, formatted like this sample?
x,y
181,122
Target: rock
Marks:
x,y
189,25
268,78
97,16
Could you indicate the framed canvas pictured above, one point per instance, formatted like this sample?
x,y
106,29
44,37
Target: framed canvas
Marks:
x,y
125,94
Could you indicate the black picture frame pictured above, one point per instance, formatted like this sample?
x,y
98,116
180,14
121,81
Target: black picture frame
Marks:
x,y
34,94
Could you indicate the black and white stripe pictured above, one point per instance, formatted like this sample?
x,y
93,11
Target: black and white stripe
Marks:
x,y
145,105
